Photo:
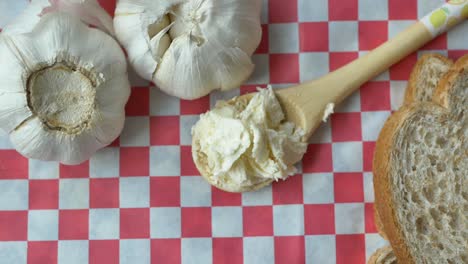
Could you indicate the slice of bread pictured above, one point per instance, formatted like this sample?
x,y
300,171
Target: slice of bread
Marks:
x,y
383,255
421,172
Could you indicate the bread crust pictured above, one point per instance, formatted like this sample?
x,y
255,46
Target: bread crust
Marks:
x,y
385,146
383,251
412,89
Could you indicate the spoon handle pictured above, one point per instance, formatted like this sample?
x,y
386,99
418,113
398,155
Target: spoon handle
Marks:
x,y
342,82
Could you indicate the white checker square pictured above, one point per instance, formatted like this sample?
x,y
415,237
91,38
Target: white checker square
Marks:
x,y
74,194
222,95
259,250
197,250
10,9
104,224
397,26
283,38
186,124
14,195
322,134
372,123
259,197
397,93
373,242
313,11
194,191
42,225
264,14
134,192
373,10
350,104
165,161
288,220
165,222
13,252
347,157
320,249
39,169
318,188
162,104
135,79
227,221
105,163
5,142
135,251
427,6
313,65
136,132
73,251
261,74
457,38
368,187
349,218
340,30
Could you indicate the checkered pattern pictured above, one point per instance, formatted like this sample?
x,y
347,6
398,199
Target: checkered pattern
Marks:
x,y
141,200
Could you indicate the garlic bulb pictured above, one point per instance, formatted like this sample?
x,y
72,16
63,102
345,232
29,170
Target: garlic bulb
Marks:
x,y
63,88
190,47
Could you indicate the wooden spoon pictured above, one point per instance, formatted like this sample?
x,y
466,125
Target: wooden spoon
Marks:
x,y
305,103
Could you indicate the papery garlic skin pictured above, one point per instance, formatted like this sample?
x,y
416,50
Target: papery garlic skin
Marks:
x,y
189,48
245,146
63,89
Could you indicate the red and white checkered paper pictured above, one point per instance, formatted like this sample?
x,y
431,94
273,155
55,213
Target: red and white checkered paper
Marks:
x,y
141,200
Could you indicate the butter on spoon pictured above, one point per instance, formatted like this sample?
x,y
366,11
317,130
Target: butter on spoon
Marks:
x,y
305,106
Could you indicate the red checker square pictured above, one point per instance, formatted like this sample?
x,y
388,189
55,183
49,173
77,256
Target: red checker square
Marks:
x,y
343,9
318,158
281,11
134,161
456,54
221,246
375,96
196,222
73,224
340,59
281,74
104,193
439,43
245,89
115,143
288,192
165,191
135,223
13,225
76,171
187,166
402,9
258,220
165,130
348,187
368,155
13,165
263,47
195,107
109,6
369,216
350,249
372,34
319,219
104,252
289,249
138,103
313,36
43,194
42,252
346,127
222,198
401,71
165,251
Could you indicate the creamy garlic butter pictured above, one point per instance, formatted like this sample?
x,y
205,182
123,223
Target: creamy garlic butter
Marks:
x,y
245,145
